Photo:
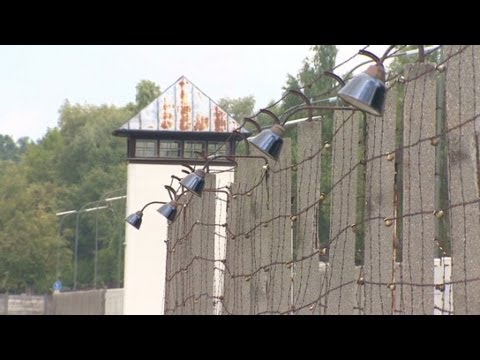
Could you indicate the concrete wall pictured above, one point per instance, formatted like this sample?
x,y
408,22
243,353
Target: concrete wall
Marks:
x,y
114,302
93,302
3,304
22,305
145,249
90,302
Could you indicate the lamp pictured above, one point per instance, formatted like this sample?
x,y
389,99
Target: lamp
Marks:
x,y
135,219
367,90
169,210
195,181
270,141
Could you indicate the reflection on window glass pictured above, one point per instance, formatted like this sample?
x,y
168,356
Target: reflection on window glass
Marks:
x,y
217,148
192,146
170,149
145,148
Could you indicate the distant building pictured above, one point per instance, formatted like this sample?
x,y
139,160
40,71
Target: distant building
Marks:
x,y
161,137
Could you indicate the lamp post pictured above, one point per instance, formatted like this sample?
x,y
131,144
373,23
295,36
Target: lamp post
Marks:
x,y
66,213
82,209
103,198
78,212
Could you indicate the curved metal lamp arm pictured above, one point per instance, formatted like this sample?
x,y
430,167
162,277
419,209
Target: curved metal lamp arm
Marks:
x,y
326,73
334,76
244,138
175,177
210,159
253,122
375,57
188,167
316,107
385,54
275,118
202,155
171,192
250,157
370,55
245,121
153,202
232,158
305,99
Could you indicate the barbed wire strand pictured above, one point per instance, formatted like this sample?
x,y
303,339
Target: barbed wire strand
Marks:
x,y
243,234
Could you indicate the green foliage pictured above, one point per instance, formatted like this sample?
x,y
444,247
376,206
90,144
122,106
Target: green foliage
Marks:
x,y
8,148
73,164
292,84
311,75
28,240
239,108
11,150
397,66
147,91
265,120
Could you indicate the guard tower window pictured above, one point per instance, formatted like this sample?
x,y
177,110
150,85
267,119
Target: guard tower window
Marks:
x,y
217,148
191,146
170,149
146,148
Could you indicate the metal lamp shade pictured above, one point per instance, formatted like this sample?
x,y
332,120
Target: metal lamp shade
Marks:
x,y
269,141
366,93
194,182
169,211
135,219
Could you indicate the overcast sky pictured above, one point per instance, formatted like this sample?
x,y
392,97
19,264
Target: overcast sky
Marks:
x,y
36,80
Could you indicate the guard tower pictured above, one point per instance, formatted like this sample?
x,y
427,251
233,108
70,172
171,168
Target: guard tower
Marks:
x,y
161,137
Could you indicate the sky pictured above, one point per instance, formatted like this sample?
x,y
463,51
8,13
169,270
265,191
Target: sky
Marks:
x,y
35,80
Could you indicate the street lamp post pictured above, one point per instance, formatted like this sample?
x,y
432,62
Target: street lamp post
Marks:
x,y
103,198
82,209
120,242
78,212
57,268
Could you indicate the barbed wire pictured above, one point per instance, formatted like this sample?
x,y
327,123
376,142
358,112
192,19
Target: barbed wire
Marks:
x,y
274,262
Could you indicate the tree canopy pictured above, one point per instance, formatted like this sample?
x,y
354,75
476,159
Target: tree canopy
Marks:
x,y
75,163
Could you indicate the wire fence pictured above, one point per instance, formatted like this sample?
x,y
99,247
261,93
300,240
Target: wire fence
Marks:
x,y
381,217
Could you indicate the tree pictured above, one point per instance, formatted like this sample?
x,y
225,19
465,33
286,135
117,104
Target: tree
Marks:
x,y
92,164
315,85
147,91
28,240
74,163
311,75
11,150
7,148
397,66
238,108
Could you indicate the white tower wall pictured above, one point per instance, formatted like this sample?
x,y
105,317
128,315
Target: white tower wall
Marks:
x,y
145,249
